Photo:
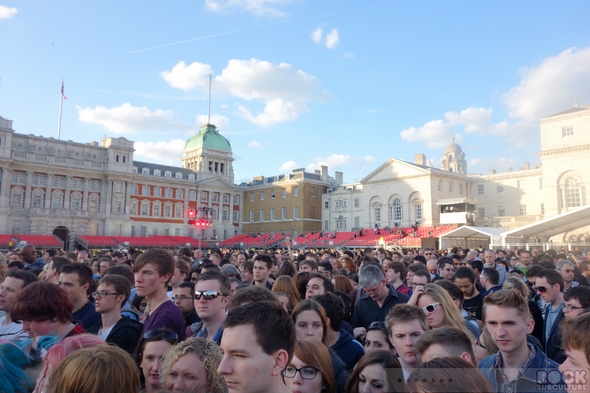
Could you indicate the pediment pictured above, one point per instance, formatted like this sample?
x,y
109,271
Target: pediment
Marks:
x,y
216,182
395,169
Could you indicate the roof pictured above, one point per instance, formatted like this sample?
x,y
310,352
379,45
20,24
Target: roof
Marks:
x,y
454,201
208,138
555,225
572,110
163,168
476,233
454,148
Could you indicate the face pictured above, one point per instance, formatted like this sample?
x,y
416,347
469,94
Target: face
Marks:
x,y
240,259
187,374
151,360
457,263
309,326
567,272
375,341
372,380
409,276
334,263
507,328
391,276
550,293
95,267
576,364
403,337
71,284
46,257
300,385
489,258
466,286
37,329
210,308
305,268
571,308
324,272
437,317
315,287
247,276
9,290
109,302
380,255
28,254
148,280
245,366
395,258
418,280
183,298
447,272
428,254
103,266
260,271
376,291
526,258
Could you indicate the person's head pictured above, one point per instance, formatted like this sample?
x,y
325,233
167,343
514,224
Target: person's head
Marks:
x,y
550,284
191,365
508,319
372,280
526,258
465,280
334,308
444,342
183,296
377,337
448,374
576,342
376,371
28,253
440,308
317,285
489,258
310,370
458,261
308,265
212,294
405,324
76,279
446,268
419,279
394,272
257,362
532,273
111,293
182,269
310,321
251,294
43,308
566,269
13,284
150,351
517,284
325,269
153,270
248,272
215,258
286,285
453,290
342,284
575,301
489,277
104,263
262,268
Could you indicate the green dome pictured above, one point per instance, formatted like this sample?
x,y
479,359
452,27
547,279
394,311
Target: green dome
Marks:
x,y
208,138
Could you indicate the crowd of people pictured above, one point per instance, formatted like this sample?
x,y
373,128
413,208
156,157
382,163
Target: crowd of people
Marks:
x,y
321,321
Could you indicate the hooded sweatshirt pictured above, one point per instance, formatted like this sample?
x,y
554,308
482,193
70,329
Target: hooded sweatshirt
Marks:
x,y
348,349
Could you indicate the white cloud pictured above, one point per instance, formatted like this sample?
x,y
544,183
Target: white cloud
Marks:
x,y
500,164
332,39
188,77
474,119
551,87
129,119
221,122
282,89
316,36
349,55
369,159
256,7
336,162
6,12
160,151
255,144
288,166
519,133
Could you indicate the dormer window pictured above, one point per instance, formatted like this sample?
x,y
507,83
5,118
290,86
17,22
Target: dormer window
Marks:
x,y
145,171
168,174
178,175
157,172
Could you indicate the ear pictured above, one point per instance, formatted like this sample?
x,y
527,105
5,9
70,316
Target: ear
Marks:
x,y
530,325
328,323
466,357
165,278
457,302
280,360
86,286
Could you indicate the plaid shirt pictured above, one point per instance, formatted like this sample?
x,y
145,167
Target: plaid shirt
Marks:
x,y
510,386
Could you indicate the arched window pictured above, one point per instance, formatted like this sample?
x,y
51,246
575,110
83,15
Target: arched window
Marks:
x,y
56,199
573,193
17,197
38,198
76,201
397,209
93,201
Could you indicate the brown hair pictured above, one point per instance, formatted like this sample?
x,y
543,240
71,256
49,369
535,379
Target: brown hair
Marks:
x,y
42,301
349,264
160,258
343,284
394,374
286,285
251,294
576,334
317,355
183,265
454,341
312,305
510,299
121,284
405,313
448,374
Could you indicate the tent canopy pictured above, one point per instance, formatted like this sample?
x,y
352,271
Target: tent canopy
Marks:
x,y
472,237
555,225
454,201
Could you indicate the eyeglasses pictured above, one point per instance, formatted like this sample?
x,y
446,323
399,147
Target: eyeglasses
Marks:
x,y
167,334
103,294
306,372
569,307
182,297
514,259
430,308
567,271
207,295
543,289
460,264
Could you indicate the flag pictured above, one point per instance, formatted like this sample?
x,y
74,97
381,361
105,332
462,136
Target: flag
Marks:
x,y
429,163
62,91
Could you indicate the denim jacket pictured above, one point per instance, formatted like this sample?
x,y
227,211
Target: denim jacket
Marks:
x,y
534,379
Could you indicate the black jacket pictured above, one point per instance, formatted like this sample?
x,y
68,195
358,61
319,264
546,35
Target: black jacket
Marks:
x,y
553,347
367,311
125,334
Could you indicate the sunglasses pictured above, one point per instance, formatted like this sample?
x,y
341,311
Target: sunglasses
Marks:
x,y
194,278
207,295
430,308
542,289
167,334
378,325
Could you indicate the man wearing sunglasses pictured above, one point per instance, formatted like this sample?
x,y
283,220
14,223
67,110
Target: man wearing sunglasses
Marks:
x,y
211,298
550,285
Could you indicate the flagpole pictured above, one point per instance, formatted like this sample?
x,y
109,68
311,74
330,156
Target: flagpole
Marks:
x,y
61,100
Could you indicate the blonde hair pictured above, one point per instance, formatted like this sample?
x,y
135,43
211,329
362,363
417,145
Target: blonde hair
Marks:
x,y
452,313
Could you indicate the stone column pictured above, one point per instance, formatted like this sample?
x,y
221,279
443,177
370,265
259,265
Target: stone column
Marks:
x,y
48,191
127,204
67,192
28,190
85,195
106,194
5,189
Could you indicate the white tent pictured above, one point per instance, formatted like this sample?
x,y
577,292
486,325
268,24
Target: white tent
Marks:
x,y
472,237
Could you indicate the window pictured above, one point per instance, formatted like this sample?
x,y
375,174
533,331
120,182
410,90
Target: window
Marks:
x,y
76,201
157,191
272,194
540,183
251,197
295,233
225,215
501,211
134,190
377,214
215,197
155,231
143,232
521,185
225,198
39,180
19,178
56,200
168,192
567,131
461,189
542,208
180,194
326,205
58,181
251,215
95,185
295,212
178,211
440,185
236,199
500,188
157,172
178,175
481,212
145,171
176,231
145,190
283,213
397,209
38,198
118,206
191,177
357,222
17,197
261,195
133,230
145,208
418,212
326,225
236,216
272,214
451,186
167,174
204,196
480,189
157,210
573,195
168,211
295,191
93,200
261,218
357,202
523,210
284,193
192,195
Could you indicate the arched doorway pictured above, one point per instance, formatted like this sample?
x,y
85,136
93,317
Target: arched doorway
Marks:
x,y
63,233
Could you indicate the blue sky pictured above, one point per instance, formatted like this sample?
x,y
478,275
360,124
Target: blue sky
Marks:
x,y
298,83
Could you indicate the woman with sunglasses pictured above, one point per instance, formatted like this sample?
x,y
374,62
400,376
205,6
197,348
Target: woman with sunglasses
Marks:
x,y
440,308
376,372
310,369
377,338
149,354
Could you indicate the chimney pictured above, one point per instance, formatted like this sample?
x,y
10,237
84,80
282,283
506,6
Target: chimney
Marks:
x,y
509,169
575,102
492,172
324,173
420,159
527,166
339,178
